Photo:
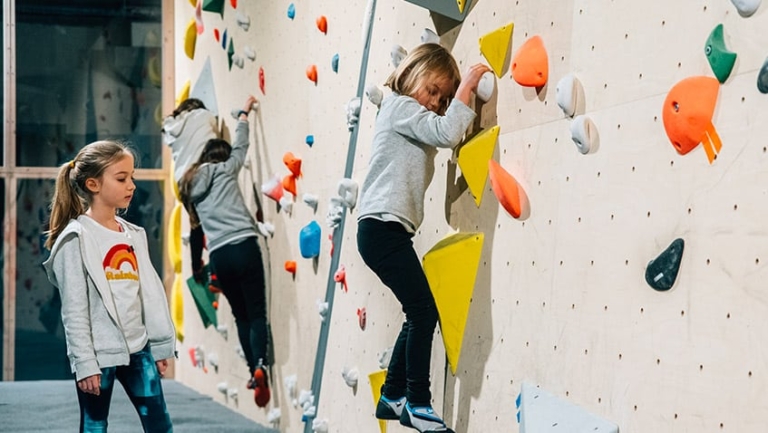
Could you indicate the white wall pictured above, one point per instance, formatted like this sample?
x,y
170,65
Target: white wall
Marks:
x,y
560,299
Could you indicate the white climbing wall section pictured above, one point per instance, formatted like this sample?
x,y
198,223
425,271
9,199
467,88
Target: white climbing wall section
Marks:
x,y
560,299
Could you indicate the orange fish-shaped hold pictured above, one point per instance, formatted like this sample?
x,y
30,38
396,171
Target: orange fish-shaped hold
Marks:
x,y
530,66
687,115
290,266
289,184
506,189
293,163
341,277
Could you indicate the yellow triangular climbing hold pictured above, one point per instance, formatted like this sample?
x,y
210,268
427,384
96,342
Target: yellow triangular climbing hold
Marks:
x,y
451,268
183,93
174,238
190,39
495,47
377,380
473,160
177,307
461,5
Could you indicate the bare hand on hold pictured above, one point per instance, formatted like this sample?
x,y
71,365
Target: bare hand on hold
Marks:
x,y
469,82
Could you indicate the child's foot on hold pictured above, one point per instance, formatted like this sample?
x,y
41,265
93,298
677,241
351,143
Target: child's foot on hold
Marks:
x,y
213,285
423,419
261,393
389,408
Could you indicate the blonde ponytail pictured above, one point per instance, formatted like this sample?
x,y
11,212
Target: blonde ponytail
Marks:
x,y
66,204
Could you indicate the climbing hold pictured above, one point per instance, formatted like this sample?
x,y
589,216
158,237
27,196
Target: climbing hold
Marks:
x,y
265,229
319,425
495,46
233,3
311,200
190,39
289,184
720,59
661,272
506,189
286,203
340,276
397,54
451,267
350,376
154,71
540,411
312,73
273,416
376,379
746,7
348,192
204,88
762,78
583,133
224,39
353,112
310,140
199,18
273,188
309,240
174,238
183,95
243,20
230,53
293,163
335,63
216,34
374,94
214,6
473,161
530,66
687,115
322,308
238,61
290,266
204,300
291,11
361,318
249,52
261,80
568,90
335,212
485,86
429,37
461,4
322,24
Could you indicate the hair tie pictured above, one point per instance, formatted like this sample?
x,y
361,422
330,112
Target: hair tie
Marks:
x,y
72,164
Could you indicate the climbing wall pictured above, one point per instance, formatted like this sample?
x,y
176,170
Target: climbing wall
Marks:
x,y
560,299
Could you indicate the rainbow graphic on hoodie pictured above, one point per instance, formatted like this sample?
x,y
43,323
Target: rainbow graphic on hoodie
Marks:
x,y
120,263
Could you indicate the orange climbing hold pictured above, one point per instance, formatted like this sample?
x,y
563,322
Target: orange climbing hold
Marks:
x,y
290,266
506,189
233,3
289,184
530,66
312,73
687,115
322,24
293,163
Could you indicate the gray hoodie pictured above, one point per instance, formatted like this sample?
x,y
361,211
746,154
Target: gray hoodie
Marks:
x,y
217,198
88,310
187,134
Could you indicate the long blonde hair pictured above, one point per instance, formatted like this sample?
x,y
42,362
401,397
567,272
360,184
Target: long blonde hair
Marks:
x,y
71,197
421,64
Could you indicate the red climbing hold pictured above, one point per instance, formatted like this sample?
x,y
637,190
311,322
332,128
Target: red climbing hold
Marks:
x,y
322,24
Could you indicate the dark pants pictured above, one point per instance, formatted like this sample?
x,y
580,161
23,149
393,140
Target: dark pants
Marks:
x,y
387,249
142,384
240,271
196,243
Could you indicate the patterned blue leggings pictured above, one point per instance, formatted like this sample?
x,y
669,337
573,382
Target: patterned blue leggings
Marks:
x,y
141,382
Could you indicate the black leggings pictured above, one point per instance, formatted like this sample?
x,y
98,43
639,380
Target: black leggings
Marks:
x,y
240,272
387,249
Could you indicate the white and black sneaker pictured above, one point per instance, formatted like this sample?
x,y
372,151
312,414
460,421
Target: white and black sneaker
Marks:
x,y
390,408
423,419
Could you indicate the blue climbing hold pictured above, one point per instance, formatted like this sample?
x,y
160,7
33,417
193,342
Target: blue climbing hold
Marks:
x,y
224,40
291,11
335,63
309,240
762,78
310,140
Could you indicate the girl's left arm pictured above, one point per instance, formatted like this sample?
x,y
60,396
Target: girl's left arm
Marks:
x,y
413,120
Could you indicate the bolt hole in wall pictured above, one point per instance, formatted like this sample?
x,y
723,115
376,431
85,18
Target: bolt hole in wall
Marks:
x,y
95,75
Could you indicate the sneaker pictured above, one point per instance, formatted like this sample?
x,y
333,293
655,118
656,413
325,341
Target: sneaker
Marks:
x,y
389,408
261,391
423,419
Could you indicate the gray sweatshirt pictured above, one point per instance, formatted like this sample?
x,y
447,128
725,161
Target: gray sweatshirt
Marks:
x,y
92,327
403,156
187,134
217,197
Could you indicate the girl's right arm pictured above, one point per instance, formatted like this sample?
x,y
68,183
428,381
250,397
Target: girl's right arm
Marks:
x,y
241,143
75,313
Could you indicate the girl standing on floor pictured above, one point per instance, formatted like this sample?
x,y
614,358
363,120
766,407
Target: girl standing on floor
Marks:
x,y
210,192
427,110
114,310
186,131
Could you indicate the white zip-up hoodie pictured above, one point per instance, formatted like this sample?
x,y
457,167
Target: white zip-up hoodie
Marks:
x,y
187,134
88,310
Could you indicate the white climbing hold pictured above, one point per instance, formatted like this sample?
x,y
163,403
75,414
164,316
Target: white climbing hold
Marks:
x,y
350,376
583,133
223,330
746,7
320,425
374,94
485,86
222,387
311,200
249,53
243,20
567,94
273,417
428,36
348,192
397,54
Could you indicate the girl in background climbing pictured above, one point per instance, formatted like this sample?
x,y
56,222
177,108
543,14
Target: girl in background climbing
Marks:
x,y
427,110
186,131
210,192
113,305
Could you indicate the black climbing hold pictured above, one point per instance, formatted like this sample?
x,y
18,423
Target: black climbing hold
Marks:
x,y
661,272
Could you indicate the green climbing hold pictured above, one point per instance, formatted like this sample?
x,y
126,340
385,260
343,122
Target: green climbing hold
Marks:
x,y
720,59
230,53
214,6
762,78
661,272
